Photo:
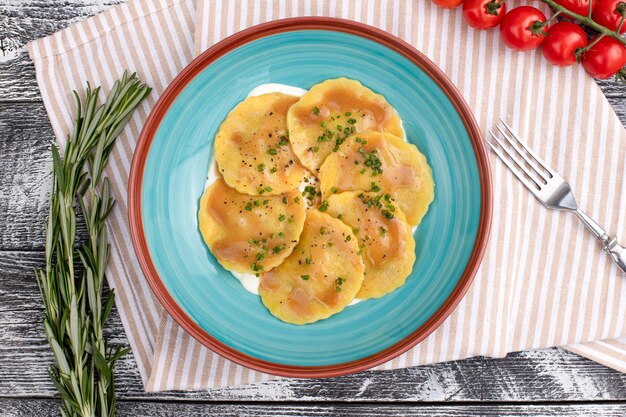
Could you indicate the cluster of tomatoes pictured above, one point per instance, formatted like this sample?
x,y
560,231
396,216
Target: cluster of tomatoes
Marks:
x,y
563,42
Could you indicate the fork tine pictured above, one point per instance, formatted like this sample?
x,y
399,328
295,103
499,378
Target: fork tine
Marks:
x,y
531,186
513,158
528,149
524,156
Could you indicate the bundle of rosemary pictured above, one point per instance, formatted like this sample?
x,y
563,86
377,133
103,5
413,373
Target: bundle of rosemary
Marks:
x,y
75,311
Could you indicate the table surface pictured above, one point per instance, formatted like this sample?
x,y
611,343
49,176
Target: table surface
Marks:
x,y
545,382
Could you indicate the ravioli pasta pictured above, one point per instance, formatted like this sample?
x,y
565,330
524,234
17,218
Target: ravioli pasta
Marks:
x,y
332,110
252,151
320,277
249,234
384,236
379,160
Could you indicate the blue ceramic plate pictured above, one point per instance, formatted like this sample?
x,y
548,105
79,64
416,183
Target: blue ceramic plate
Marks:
x,y
172,160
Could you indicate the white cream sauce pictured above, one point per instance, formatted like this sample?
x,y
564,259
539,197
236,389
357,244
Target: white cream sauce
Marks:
x,y
249,281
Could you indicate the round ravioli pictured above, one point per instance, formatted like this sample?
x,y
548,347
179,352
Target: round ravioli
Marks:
x,y
252,150
250,234
320,277
333,110
385,239
380,161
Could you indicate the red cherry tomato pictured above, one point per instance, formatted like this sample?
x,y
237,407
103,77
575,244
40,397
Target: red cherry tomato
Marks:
x,y
604,58
563,41
580,7
484,14
607,13
448,4
521,28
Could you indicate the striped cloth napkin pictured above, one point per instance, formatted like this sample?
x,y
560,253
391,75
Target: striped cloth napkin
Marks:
x,y
543,281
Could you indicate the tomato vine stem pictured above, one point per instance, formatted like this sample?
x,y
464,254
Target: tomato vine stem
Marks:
x,y
586,20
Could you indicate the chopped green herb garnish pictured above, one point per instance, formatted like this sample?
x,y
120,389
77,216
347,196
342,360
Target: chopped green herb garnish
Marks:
x,y
272,151
305,277
281,234
375,187
372,161
316,111
249,206
273,170
324,205
383,231
338,143
285,201
268,189
277,249
348,113
307,261
281,218
310,192
260,167
338,283
333,190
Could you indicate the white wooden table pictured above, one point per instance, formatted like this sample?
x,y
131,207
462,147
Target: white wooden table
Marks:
x,y
547,382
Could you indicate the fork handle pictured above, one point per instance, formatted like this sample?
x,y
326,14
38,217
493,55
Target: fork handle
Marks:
x,y
609,244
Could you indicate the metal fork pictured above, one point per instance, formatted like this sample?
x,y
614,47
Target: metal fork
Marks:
x,y
549,187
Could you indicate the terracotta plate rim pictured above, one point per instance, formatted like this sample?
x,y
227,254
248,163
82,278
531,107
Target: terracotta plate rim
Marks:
x,y
187,75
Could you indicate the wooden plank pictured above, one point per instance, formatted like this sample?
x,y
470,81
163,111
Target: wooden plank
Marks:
x,y
25,167
26,20
528,376
612,88
43,407
25,136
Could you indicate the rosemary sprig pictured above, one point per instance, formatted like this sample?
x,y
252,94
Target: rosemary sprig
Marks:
x,y
75,312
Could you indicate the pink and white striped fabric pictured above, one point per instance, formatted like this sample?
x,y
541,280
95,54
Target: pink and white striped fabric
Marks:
x,y
543,282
